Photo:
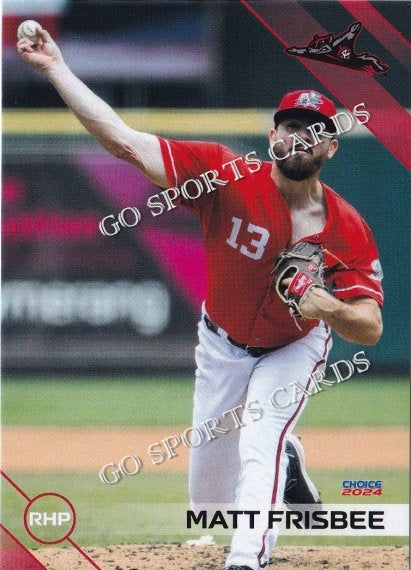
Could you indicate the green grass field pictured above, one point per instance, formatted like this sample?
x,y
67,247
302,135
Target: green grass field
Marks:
x,y
361,401
134,510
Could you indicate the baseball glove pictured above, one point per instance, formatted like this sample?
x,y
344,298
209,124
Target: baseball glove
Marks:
x,y
304,264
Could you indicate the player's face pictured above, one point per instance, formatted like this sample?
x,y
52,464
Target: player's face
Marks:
x,y
294,159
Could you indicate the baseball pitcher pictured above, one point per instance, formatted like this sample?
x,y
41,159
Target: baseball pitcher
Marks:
x,y
287,260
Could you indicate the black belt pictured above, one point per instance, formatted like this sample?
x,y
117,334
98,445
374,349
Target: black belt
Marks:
x,y
255,351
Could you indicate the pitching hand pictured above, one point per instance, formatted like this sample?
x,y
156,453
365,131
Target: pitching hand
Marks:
x,y
42,53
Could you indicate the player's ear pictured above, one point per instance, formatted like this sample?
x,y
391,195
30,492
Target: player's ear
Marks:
x,y
332,149
271,134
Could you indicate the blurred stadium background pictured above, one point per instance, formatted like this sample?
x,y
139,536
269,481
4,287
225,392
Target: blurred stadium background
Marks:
x,y
74,300
99,331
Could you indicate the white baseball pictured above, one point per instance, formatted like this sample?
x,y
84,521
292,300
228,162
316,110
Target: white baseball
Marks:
x,y
28,29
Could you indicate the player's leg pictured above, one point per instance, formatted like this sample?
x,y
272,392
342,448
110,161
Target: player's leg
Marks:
x,y
262,443
222,376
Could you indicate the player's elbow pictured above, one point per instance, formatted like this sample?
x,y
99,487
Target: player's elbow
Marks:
x,y
373,332
120,150
367,321
124,151
148,160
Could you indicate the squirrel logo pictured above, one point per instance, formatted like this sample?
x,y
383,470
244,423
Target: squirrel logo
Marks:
x,y
340,50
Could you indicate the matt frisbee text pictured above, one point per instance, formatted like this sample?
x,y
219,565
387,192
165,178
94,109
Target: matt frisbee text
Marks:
x,y
302,520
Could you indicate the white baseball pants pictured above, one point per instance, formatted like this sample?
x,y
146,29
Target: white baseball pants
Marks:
x,y
246,466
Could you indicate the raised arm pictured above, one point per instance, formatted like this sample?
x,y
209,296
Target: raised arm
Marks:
x,y
140,149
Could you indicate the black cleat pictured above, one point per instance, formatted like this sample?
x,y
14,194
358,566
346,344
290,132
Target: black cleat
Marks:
x,y
299,489
234,567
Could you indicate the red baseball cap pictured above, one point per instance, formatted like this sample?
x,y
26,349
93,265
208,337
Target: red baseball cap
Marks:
x,y
307,101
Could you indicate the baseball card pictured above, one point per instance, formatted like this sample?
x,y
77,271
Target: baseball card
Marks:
x,y
205,304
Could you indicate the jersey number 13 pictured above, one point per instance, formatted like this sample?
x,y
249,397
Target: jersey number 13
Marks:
x,y
256,245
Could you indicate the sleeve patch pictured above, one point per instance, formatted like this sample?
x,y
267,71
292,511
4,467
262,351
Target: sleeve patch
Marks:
x,y
377,273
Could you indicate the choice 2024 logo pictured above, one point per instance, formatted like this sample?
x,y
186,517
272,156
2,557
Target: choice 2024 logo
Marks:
x,y
361,487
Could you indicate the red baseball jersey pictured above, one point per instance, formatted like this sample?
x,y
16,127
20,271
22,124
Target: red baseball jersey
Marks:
x,y
246,222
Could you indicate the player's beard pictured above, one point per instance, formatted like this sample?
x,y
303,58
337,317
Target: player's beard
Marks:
x,y
300,166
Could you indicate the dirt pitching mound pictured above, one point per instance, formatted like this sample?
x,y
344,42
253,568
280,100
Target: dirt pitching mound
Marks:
x,y
182,557
40,449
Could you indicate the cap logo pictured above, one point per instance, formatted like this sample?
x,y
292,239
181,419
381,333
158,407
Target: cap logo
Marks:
x,y
310,99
